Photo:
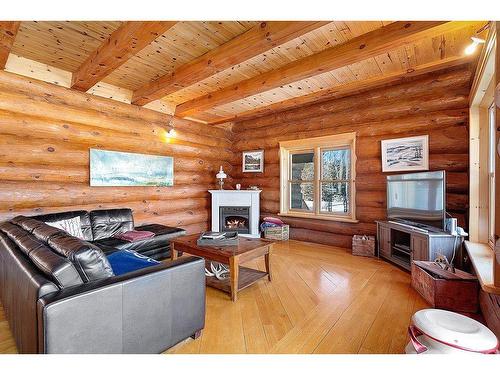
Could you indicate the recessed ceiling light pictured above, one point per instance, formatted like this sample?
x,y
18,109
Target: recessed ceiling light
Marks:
x,y
471,48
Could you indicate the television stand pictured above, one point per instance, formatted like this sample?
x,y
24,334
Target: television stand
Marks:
x,y
402,243
409,226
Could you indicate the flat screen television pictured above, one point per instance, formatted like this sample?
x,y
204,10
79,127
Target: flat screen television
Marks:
x,y
417,198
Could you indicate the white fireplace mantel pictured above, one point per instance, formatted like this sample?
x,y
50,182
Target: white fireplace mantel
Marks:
x,y
234,198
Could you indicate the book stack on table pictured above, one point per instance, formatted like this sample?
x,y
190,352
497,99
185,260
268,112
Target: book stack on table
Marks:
x,y
218,239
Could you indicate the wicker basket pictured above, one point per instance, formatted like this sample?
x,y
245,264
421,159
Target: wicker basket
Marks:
x,y
363,245
277,233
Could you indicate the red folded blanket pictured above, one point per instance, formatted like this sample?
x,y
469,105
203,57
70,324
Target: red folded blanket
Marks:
x,y
134,235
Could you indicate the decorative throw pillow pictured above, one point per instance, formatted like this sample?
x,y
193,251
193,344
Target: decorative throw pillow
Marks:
x,y
71,226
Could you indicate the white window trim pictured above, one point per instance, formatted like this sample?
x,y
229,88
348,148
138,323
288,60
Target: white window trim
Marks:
x,y
491,174
332,141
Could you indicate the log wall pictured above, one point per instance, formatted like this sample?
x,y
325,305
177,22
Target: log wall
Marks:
x,y
46,132
435,104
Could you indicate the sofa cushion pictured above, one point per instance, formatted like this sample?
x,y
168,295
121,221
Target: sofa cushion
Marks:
x,y
61,270
125,261
27,223
84,220
43,232
163,235
24,241
89,260
57,268
107,223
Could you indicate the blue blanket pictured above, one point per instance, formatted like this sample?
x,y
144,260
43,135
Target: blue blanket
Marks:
x,y
125,261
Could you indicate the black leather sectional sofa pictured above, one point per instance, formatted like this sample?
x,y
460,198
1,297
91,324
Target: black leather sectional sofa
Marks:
x,y
60,294
99,227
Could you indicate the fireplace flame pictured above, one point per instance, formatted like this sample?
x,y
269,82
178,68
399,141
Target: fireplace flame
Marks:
x,y
235,223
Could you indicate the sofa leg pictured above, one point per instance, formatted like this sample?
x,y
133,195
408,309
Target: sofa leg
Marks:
x,y
196,335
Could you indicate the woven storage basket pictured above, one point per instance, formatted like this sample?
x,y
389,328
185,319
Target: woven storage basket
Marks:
x,y
277,233
363,245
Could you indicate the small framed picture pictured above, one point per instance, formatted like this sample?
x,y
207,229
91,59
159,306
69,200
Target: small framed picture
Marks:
x,y
405,154
253,161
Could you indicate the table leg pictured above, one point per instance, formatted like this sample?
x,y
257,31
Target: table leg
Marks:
x,y
173,253
234,269
267,258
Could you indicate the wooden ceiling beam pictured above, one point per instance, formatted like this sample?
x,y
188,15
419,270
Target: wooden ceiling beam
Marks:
x,y
8,32
351,88
122,44
259,39
360,48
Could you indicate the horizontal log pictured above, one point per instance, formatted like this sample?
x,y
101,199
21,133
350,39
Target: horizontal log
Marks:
x,y
271,155
355,121
270,195
124,144
324,238
370,214
65,97
329,226
448,162
18,195
270,206
456,182
457,202
371,198
25,105
16,123
152,208
271,170
424,84
452,140
176,219
80,174
44,151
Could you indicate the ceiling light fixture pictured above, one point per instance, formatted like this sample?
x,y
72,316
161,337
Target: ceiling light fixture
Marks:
x,y
471,48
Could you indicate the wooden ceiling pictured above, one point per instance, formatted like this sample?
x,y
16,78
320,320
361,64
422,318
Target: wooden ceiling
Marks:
x,y
215,72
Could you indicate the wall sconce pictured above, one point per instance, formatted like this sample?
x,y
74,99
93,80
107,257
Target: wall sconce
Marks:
x,y
171,131
471,48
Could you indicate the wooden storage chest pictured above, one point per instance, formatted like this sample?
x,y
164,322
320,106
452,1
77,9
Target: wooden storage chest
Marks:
x,y
443,289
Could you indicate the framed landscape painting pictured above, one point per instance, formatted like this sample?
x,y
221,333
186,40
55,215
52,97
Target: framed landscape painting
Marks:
x,y
405,154
113,168
253,161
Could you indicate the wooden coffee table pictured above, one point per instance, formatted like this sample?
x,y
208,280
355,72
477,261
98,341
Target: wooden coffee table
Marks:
x,y
246,250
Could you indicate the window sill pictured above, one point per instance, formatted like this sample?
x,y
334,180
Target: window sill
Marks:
x,y
482,257
319,217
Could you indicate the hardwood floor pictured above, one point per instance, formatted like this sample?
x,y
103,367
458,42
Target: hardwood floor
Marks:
x,y
321,300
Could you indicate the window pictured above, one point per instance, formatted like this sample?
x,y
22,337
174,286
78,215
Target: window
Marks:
x,y
317,177
491,175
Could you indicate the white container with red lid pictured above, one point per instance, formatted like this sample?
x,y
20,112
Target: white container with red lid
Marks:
x,y
434,331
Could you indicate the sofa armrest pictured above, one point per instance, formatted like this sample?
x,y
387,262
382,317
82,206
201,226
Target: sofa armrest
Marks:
x,y
146,311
